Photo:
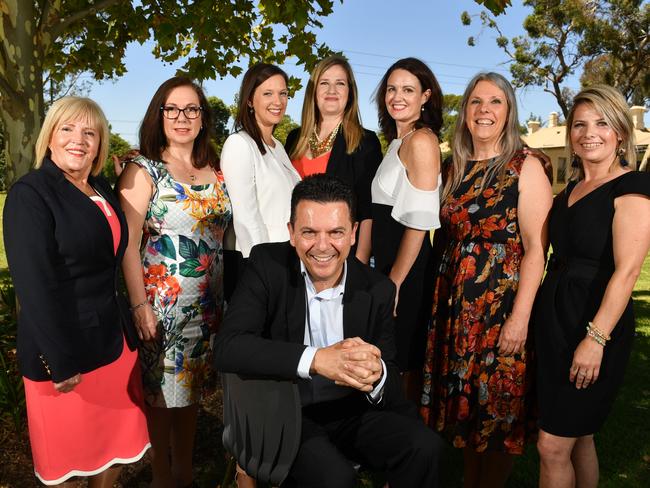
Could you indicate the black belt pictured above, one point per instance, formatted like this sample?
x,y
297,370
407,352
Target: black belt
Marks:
x,y
562,263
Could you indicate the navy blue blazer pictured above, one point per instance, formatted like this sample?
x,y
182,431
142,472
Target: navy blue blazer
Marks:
x,y
59,247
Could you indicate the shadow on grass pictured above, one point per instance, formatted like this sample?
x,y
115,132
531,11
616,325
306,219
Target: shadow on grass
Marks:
x,y
623,443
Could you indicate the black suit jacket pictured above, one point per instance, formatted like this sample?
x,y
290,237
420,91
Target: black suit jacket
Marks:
x,y
356,169
60,251
263,331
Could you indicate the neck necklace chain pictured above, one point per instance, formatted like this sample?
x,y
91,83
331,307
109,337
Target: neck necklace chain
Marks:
x,y
408,133
318,147
189,172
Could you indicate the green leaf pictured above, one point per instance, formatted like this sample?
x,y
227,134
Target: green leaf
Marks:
x,y
199,349
204,249
497,7
189,268
187,248
167,247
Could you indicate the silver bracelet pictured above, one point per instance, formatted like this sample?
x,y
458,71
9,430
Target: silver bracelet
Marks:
x,y
135,307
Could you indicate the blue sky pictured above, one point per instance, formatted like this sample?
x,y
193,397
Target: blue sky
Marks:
x,y
372,34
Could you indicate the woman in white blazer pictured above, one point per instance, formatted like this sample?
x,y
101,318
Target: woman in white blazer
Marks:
x,y
258,173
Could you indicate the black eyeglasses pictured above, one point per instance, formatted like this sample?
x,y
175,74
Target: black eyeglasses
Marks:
x,y
172,112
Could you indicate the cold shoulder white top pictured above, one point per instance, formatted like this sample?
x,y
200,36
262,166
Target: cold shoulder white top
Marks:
x,y
412,207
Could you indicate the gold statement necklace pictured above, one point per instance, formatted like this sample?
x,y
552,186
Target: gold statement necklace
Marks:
x,y
318,147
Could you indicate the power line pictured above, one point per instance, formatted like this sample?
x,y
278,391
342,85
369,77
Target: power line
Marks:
x,y
385,56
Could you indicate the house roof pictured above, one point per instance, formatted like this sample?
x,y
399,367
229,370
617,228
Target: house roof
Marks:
x,y
550,137
546,137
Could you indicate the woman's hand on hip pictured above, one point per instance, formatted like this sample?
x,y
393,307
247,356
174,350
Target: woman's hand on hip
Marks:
x,y
68,385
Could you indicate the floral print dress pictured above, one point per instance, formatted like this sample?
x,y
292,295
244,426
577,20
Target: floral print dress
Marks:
x,y
183,277
475,396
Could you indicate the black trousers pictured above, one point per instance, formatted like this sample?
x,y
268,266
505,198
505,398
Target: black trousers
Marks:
x,y
336,434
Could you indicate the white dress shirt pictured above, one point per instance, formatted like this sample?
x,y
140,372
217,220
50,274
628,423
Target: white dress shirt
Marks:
x,y
260,189
324,325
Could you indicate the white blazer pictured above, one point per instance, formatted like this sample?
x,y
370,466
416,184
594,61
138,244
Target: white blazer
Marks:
x,y
260,189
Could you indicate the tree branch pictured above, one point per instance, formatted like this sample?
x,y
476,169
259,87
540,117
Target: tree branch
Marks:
x,y
63,24
45,14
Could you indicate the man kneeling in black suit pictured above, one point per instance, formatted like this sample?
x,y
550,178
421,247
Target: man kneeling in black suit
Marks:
x,y
306,310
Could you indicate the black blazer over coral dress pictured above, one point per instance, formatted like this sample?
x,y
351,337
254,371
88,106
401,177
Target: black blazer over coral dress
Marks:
x,y
61,257
356,169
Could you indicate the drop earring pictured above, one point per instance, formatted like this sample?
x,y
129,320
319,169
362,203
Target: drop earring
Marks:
x,y
575,160
621,157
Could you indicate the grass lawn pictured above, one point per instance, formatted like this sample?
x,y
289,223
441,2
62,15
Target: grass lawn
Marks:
x,y
623,444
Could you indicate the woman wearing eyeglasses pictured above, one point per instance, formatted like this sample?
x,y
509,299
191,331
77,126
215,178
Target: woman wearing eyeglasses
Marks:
x,y
177,209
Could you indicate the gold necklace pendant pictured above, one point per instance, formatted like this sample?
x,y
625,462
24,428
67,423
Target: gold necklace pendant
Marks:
x,y
318,147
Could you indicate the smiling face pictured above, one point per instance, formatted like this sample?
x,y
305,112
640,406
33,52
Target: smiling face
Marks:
x,y
73,146
592,138
332,91
270,101
323,234
404,96
486,113
182,130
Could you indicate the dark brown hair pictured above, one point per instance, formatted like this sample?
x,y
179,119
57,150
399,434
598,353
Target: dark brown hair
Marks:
x,y
430,117
152,134
323,188
254,77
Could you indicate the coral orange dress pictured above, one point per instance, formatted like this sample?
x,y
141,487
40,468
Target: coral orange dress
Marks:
x,y
98,424
307,167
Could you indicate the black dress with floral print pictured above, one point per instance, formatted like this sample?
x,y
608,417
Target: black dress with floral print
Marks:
x,y
474,395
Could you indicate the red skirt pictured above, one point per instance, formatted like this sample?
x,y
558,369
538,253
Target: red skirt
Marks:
x,y
98,424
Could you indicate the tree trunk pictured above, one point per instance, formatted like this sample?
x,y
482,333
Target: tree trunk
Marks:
x,y
21,85
21,126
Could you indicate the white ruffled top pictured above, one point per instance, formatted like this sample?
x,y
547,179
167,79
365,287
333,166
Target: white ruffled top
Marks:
x,y
412,207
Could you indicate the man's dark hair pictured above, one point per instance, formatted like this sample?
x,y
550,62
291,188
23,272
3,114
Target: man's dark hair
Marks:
x,y
323,188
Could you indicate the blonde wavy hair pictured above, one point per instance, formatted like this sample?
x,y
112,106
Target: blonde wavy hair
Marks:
x,y
611,105
68,109
351,124
463,146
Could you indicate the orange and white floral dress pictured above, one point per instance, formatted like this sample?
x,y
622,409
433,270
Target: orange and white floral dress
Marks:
x,y
182,262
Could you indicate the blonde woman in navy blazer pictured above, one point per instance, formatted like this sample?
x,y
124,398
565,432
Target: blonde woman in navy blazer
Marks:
x,y
65,236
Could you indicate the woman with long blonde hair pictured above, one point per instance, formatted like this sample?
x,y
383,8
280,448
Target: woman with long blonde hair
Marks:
x,y
331,139
477,384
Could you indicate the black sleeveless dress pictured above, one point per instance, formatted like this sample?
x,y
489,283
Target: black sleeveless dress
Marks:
x,y
577,275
